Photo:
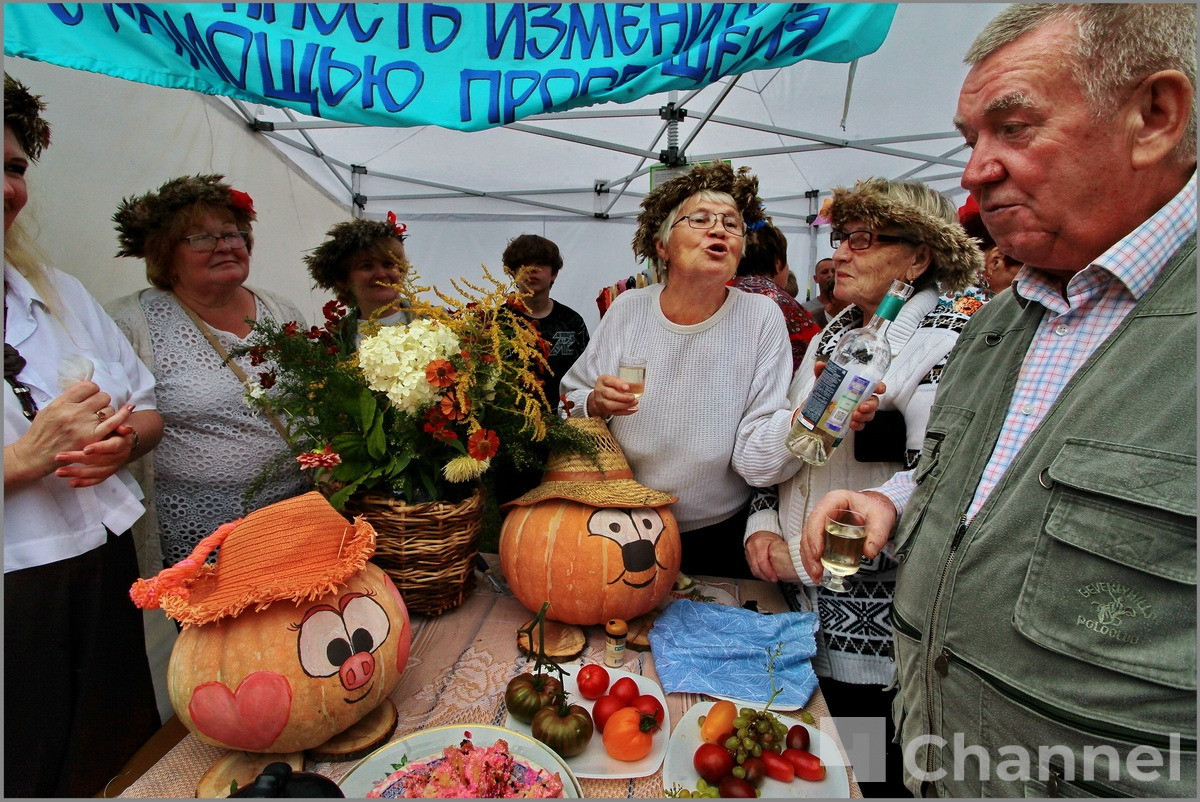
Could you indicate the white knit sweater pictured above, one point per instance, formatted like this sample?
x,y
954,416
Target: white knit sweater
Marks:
x,y
710,387
852,646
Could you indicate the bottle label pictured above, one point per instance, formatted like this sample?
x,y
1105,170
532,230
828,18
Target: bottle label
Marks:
x,y
835,397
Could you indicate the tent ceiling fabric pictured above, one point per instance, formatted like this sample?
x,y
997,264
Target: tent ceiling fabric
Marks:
x,y
785,124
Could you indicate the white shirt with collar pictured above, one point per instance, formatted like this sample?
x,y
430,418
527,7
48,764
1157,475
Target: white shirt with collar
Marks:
x,y
48,520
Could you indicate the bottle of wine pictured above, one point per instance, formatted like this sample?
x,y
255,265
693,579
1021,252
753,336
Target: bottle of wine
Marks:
x,y
850,375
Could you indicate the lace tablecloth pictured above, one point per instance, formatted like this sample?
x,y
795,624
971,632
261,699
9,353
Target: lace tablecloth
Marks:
x,y
459,667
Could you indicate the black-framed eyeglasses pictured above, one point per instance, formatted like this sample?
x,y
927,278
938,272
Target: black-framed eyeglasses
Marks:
x,y
862,239
706,220
206,243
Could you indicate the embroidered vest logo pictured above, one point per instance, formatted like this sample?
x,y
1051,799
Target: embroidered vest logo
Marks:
x,y
1115,604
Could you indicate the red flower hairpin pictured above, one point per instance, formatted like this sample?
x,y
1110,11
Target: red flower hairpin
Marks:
x,y
241,200
401,228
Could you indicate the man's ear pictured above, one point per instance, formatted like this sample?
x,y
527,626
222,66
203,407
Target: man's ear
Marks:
x,y
1159,110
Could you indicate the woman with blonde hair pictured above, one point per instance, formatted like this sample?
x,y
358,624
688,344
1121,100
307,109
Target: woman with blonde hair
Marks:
x,y
78,406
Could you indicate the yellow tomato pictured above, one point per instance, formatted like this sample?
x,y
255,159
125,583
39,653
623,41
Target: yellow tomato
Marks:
x,y
718,724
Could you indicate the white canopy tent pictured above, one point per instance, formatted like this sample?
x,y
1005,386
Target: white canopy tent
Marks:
x,y
575,177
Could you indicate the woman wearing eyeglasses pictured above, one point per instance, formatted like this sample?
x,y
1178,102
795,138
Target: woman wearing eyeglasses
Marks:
x,y
195,234
718,362
882,230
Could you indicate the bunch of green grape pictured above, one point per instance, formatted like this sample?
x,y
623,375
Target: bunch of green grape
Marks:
x,y
755,732
703,790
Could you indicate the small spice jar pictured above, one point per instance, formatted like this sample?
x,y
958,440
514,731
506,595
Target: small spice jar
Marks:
x,y
614,642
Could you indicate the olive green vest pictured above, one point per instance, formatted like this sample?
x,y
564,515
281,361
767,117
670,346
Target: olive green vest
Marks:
x,y
1064,615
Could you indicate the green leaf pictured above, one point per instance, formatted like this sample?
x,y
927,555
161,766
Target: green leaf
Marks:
x,y
376,441
367,408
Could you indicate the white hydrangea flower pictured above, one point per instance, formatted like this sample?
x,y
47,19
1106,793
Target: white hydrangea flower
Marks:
x,y
393,361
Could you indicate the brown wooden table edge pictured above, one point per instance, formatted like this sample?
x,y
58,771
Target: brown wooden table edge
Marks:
x,y
161,742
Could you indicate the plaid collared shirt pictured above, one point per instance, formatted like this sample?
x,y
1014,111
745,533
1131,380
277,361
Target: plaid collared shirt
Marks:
x,y
1099,298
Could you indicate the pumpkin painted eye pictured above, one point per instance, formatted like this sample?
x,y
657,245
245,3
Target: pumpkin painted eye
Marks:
x,y
324,643
367,622
616,525
648,523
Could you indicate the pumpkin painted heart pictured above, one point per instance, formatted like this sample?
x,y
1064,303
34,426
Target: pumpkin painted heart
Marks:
x,y
249,718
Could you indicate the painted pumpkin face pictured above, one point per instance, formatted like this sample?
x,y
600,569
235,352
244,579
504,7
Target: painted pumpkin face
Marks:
x,y
291,676
592,564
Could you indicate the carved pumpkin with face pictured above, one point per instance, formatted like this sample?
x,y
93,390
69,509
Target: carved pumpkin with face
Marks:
x,y
291,638
290,677
592,564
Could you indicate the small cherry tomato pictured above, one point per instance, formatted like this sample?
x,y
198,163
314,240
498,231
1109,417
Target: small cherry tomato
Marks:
x,y
797,737
650,705
593,681
629,734
601,711
625,689
733,788
755,770
778,768
807,765
712,762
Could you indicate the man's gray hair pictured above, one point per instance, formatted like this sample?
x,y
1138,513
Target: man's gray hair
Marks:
x,y
1117,44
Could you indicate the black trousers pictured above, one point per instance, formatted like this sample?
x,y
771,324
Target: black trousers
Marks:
x,y
717,550
78,698
847,699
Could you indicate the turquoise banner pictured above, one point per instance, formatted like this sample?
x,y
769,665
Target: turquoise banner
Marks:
x,y
466,66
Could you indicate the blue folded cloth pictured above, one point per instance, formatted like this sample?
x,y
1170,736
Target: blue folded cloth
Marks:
x,y
721,650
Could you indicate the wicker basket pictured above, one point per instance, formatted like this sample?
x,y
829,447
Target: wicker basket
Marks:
x,y
427,549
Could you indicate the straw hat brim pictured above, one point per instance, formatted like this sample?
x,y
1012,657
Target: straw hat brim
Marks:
x,y
624,493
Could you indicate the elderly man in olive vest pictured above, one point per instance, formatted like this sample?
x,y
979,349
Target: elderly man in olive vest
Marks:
x,y
1045,611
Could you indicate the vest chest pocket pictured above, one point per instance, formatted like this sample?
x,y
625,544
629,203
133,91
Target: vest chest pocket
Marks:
x,y
942,436
1112,580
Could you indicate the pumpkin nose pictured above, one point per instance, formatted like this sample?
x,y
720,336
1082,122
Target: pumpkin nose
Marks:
x,y
357,671
638,556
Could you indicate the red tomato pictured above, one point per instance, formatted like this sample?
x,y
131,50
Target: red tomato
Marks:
x,y
601,711
650,706
733,788
807,765
593,681
625,689
712,762
755,770
797,737
778,767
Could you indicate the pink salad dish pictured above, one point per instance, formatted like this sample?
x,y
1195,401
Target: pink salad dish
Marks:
x,y
467,771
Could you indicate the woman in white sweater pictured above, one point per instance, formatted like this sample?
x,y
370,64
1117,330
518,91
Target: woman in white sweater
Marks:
x,y
882,230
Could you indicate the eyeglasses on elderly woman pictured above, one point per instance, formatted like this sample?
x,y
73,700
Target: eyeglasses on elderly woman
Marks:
x,y
862,239
206,243
704,219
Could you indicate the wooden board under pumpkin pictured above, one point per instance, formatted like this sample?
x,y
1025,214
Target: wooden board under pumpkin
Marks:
x,y
241,768
361,739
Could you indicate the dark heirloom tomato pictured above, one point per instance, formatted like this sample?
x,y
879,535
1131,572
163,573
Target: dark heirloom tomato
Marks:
x,y
527,693
566,729
755,770
797,737
733,788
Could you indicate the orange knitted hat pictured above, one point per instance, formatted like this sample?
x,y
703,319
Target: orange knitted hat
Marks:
x,y
300,549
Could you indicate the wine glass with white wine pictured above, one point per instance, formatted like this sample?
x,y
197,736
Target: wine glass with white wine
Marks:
x,y
845,536
633,371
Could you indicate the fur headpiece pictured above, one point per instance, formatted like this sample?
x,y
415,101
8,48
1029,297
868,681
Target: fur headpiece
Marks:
x,y
327,262
23,113
138,217
957,260
717,177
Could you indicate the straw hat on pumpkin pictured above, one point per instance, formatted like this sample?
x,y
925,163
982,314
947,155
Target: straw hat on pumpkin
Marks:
x,y
576,477
297,549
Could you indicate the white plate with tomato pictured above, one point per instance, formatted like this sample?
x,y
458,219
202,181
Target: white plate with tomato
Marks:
x,y
595,762
679,767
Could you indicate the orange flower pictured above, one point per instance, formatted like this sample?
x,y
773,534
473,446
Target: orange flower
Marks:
x,y
454,407
440,373
483,444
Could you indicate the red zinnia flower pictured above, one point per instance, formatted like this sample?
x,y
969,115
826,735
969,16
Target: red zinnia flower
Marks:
x,y
483,444
440,373
319,458
334,311
291,328
455,408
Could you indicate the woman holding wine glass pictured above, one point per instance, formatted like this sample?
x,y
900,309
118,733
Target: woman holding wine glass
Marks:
x,y
882,231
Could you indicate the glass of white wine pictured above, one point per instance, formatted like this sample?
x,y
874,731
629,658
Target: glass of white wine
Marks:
x,y
845,536
633,371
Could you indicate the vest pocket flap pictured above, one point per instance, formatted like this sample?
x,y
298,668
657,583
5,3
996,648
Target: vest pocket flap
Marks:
x,y
1143,476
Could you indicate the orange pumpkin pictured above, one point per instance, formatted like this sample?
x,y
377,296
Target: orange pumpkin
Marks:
x,y
591,563
289,677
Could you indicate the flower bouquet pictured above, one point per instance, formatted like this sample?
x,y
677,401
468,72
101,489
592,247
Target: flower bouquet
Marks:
x,y
419,410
